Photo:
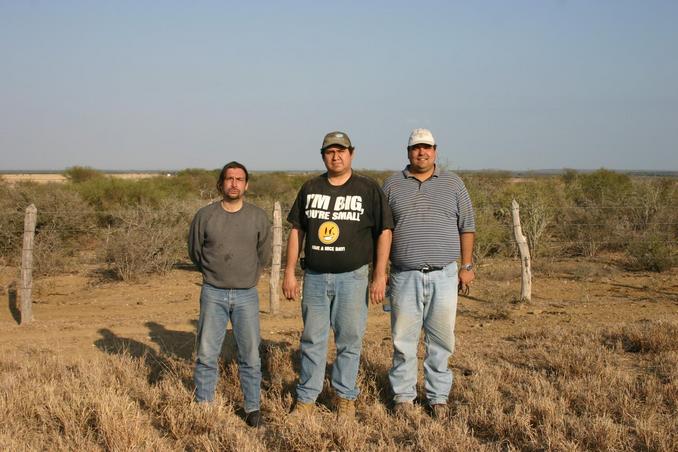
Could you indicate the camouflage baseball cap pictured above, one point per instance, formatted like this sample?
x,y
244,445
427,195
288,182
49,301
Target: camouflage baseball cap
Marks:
x,y
336,139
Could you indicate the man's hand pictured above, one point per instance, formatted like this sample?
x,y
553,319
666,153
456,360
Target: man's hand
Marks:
x,y
465,278
378,288
290,286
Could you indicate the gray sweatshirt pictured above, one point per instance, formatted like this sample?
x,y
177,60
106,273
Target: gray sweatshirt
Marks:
x,y
230,249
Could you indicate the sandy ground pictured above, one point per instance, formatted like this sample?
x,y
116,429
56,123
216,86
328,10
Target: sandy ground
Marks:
x,y
74,314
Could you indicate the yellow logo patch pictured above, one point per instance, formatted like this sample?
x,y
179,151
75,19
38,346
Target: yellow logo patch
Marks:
x,y
328,232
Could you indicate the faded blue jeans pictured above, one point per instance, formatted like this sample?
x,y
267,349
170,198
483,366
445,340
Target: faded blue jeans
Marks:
x,y
217,306
427,300
337,300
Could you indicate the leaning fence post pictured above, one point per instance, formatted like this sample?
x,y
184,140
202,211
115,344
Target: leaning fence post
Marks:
x,y
526,268
273,282
25,292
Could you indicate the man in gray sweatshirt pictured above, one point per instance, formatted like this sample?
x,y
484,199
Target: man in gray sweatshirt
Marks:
x,y
230,242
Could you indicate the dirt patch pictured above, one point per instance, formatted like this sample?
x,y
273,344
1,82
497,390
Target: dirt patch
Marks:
x,y
72,312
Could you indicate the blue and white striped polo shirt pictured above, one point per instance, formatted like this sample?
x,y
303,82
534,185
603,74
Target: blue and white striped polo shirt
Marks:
x,y
428,217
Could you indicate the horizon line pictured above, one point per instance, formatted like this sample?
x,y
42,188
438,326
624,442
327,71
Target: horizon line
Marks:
x,y
489,170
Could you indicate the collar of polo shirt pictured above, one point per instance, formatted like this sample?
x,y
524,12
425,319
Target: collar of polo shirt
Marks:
x,y
436,171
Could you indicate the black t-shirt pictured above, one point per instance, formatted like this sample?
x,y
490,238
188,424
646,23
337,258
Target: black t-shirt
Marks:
x,y
341,223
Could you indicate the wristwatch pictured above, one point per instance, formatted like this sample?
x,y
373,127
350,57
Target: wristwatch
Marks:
x,y
467,267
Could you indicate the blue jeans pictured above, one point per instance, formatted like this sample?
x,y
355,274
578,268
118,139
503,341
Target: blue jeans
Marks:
x,y
338,300
217,306
427,300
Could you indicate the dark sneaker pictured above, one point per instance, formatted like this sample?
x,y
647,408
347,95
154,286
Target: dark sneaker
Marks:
x,y
254,419
439,411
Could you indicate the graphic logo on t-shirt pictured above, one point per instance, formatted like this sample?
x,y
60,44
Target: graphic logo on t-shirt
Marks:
x,y
344,208
328,232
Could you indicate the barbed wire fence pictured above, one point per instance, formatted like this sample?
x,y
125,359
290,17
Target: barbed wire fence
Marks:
x,y
17,227
52,220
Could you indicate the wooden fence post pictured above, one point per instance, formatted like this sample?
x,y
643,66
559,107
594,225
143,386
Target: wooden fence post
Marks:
x,y
274,281
526,267
25,292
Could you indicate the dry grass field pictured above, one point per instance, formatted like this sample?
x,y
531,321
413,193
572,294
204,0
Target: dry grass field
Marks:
x,y
591,363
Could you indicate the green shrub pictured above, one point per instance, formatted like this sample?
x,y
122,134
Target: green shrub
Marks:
x,y
198,183
595,218
488,190
267,187
539,201
78,174
654,252
492,234
601,188
110,193
378,176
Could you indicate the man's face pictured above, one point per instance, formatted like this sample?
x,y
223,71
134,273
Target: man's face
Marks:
x,y
422,157
337,160
235,184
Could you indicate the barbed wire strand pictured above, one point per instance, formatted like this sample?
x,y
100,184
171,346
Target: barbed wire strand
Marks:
x,y
551,210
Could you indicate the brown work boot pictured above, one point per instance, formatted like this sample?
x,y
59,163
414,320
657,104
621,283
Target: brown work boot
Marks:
x,y
302,408
439,411
345,408
403,408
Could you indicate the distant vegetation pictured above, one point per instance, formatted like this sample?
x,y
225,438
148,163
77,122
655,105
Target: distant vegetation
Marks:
x,y
79,174
136,227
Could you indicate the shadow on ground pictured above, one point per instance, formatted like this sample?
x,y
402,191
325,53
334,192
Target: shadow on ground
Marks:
x,y
13,303
174,346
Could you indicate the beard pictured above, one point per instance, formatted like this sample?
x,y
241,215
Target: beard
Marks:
x,y
233,195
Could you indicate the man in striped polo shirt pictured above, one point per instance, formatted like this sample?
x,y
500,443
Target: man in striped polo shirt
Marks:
x,y
434,227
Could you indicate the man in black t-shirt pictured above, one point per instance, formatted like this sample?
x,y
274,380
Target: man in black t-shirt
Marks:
x,y
346,221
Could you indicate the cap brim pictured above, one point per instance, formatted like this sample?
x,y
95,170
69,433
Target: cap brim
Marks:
x,y
431,143
329,145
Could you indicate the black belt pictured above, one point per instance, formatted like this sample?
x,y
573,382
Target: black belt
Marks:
x,y
424,269
429,268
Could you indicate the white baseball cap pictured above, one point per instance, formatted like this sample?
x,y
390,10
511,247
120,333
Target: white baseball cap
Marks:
x,y
419,136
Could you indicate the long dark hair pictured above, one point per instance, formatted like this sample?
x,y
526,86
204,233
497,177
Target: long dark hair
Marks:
x,y
222,176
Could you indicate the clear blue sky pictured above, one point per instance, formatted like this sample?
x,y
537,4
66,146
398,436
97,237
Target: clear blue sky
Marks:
x,y
502,84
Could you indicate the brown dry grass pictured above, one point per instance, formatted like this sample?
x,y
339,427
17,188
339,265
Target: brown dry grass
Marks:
x,y
554,389
587,365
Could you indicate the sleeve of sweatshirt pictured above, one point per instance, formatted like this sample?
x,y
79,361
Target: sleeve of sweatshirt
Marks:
x,y
264,241
196,240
